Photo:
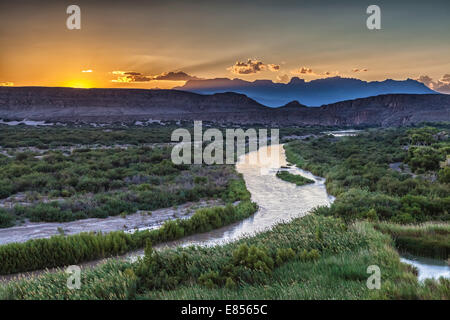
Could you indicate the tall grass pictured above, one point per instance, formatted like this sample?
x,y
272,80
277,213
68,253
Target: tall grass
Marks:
x,y
427,239
339,272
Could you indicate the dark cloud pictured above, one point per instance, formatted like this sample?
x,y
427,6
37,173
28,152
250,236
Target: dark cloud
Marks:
x,y
132,76
303,71
442,85
133,73
175,76
360,70
273,67
129,77
252,66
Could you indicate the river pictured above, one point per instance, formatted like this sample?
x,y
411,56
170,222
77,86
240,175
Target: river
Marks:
x,y
277,200
428,268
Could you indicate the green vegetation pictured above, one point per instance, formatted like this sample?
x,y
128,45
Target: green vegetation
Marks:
x,y
293,178
6,219
103,182
428,147
288,262
52,137
358,174
67,250
428,239
65,184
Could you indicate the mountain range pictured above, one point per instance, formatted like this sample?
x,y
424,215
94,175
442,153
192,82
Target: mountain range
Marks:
x,y
128,105
313,93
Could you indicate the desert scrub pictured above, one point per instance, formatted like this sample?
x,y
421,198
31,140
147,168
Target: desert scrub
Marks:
x,y
357,204
428,239
51,137
6,219
97,183
357,172
293,178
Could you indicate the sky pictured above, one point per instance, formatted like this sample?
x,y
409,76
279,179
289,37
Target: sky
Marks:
x,y
161,44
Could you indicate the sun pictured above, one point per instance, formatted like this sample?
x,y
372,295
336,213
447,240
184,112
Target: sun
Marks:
x,y
79,83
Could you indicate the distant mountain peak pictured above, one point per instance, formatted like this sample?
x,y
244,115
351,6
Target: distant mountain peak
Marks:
x,y
294,104
312,93
295,80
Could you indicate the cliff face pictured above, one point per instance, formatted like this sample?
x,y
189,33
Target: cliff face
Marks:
x,y
108,105
395,109
56,103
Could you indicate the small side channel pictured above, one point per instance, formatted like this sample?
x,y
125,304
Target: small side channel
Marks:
x,y
427,267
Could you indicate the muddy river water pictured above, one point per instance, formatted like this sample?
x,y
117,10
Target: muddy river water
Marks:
x,y
277,200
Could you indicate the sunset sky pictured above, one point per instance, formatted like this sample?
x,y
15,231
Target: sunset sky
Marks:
x,y
148,44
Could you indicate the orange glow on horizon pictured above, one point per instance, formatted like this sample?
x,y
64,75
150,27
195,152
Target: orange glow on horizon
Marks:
x,y
78,83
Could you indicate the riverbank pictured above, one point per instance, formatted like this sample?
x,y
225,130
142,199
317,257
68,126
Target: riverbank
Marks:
x,y
313,257
141,220
429,239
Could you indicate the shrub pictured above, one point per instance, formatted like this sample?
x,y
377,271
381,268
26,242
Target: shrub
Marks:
x,y
284,255
311,255
6,219
444,175
253,258
200,180
210,279
293,178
